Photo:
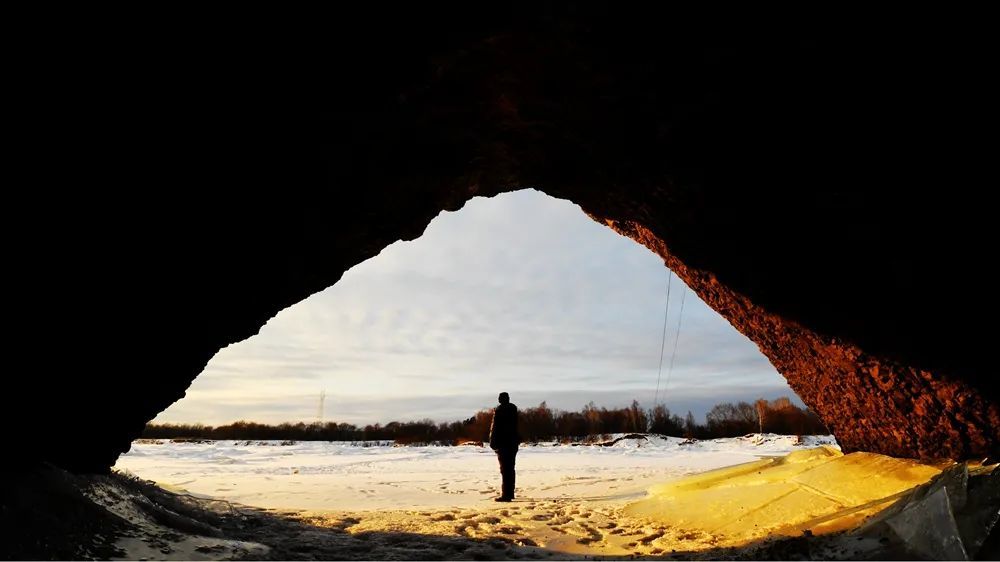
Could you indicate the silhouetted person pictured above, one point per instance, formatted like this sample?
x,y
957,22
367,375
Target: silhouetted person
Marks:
x,y
504,439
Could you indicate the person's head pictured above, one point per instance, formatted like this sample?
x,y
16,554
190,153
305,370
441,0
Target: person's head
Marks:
x,y
504,398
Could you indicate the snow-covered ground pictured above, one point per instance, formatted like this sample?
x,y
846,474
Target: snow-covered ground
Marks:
x,y
636,497
341,476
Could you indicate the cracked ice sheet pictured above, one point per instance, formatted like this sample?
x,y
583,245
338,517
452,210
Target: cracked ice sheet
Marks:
x,y
820,490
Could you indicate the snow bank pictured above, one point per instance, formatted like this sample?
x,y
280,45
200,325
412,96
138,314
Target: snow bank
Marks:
x,y
320,475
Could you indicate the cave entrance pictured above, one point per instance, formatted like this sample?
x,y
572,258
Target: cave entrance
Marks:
x,y
520,293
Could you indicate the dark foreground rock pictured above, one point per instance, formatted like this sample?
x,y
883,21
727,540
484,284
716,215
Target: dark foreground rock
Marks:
x,y
120,516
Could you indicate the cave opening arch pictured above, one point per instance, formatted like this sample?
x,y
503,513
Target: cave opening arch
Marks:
x,y
520,290
872,401
787,182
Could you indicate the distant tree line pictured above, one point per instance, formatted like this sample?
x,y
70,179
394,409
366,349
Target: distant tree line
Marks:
x,y
539,423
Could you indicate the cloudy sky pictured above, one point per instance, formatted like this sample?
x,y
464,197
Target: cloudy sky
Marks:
x,y
520,293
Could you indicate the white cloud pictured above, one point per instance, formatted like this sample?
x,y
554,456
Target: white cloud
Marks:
x,y
521,292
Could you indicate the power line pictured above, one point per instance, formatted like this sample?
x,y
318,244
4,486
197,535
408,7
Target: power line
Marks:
x,y
663,339
677,336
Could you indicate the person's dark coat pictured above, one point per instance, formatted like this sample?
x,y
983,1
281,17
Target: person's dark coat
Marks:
x,y
503,430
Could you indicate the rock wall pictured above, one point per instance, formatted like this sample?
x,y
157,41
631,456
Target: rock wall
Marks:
x,y
870,403
822,191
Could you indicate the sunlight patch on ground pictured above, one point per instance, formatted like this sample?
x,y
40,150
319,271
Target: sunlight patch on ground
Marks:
x,y
819,490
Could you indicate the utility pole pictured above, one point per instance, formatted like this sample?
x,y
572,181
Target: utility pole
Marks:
x,y
761,407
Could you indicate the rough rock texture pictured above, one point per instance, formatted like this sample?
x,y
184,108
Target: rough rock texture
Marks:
x,y
820,190
870,403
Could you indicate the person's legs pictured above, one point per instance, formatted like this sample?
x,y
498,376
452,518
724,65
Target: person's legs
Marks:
x,y
513,473
507,457
502,455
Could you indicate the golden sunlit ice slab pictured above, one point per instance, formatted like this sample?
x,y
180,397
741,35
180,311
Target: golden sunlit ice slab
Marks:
x,y
820,490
